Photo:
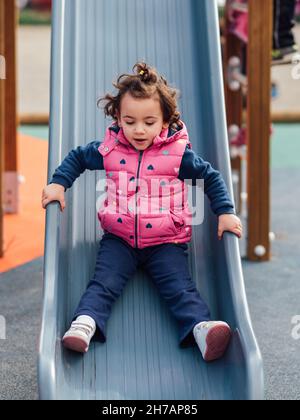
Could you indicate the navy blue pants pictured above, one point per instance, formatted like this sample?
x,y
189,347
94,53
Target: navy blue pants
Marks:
x,y
167,265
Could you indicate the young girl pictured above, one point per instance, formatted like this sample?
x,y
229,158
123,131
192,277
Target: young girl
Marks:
x,y
147,142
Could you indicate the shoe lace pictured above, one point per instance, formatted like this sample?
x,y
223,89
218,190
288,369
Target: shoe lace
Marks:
x,y
85,328
208,324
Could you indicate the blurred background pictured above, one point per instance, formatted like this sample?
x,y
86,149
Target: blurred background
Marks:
x,y
33,45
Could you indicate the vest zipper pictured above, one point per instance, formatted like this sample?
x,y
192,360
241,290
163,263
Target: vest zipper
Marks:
x,y
136,200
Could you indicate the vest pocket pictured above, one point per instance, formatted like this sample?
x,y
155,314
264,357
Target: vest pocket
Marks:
x,y
177,221
157,226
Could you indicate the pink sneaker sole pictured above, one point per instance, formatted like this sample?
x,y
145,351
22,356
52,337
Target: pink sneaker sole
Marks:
x,y
217,341
75,344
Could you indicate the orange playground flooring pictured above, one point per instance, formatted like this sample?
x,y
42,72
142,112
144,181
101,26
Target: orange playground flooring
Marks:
x,y
24,232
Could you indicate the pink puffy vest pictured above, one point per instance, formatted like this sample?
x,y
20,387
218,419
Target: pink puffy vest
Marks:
x,y
146,203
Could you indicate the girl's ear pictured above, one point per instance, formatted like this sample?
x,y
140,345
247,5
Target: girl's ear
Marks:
x,y
165,125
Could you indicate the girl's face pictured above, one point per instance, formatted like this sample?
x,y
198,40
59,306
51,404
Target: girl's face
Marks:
x,y
141,120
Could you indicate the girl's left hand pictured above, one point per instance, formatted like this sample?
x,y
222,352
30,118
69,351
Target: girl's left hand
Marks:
x,y
229,223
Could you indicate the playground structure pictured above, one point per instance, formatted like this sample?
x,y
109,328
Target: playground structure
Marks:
x,y
8,114
247,67
267,284
258,119
135,363
2,99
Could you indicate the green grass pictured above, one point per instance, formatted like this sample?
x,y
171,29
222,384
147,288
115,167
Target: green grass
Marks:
x,y
33,17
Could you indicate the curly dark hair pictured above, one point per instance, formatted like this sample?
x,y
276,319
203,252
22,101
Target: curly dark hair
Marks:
x,y
144,83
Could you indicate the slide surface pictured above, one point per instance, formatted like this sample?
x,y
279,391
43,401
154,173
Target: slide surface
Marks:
x,y
92,43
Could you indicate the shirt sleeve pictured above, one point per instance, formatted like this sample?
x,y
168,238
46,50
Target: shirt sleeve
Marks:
x,y
193,167
77,161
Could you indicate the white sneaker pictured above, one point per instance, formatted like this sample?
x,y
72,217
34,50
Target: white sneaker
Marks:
x,y
78,337
212,338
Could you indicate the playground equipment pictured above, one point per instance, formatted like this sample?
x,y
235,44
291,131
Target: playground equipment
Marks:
x,y
8,114
2,63
256,83
247,66
92,43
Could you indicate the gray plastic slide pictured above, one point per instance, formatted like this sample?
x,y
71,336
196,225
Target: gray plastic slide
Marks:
x,y
92,43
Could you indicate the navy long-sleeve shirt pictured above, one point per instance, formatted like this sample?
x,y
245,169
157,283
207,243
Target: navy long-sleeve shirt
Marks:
x,y
192,167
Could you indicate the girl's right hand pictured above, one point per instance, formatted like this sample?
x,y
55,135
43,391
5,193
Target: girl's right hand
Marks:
x,y
54,192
